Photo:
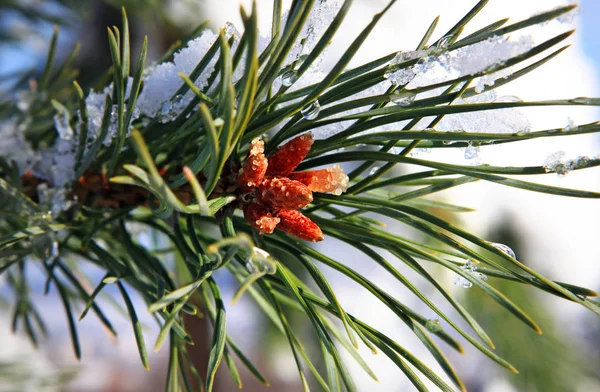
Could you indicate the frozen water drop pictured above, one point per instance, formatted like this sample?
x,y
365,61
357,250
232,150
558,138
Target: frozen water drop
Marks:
x,y
403,98
288,78
230,30
504,249
472,152
444,42
508,98
463,282
169,110
374,170
470,268
165,108
584,100
260,261
63,128
178,99
311,111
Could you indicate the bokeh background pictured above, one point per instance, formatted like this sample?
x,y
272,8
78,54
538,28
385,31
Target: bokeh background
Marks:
x,y
556,236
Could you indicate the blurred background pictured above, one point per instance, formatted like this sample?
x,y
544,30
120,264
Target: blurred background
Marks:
x,y
556,236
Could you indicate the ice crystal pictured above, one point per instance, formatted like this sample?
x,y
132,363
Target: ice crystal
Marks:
x,y
557,163
471,269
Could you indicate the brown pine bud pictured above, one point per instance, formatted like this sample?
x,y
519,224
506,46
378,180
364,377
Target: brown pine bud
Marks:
x,y
260,218
332,179
283,161
297,224
255,166
281,192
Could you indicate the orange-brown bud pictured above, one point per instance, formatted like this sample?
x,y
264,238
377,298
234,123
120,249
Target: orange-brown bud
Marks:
x,y
332,179
283,161
281,192
297,224
260,218
255,166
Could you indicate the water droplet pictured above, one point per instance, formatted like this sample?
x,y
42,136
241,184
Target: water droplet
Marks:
x,y
444,42
504,249
472,152
288,78
374,170
584,100
311,111
170,109
178,99
433,325
508,98
463,282
403,98
260,261
63,128
470,268
165,108
230,30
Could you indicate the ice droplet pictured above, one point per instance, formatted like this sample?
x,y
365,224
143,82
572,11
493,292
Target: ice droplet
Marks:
x,y
504,249
508,98
63,128
230,30
470,268
170,109
403,98
311,111
433,325
374,170
178,99
444,42
288,78
584,100
460,281
472,152
260,261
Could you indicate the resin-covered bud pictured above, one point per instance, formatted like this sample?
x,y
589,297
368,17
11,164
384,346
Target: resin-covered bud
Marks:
x,y
253,171
260,218
281,192
332,179
297,224
283,161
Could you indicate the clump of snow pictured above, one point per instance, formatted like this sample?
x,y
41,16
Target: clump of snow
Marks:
x,y
95,107
507,120
559,164
321,16
435,66
162,81
14,146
